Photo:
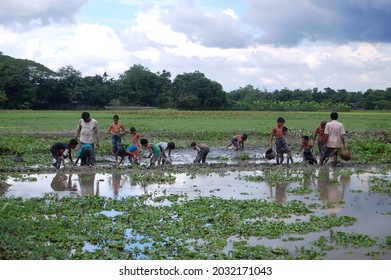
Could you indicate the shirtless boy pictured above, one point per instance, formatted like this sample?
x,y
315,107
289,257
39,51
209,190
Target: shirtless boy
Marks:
x,y
135,137
281,145
319,132
115,129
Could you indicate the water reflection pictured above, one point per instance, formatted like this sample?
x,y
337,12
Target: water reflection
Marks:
x,y
280,187
116,183
61,182
85,183
331,191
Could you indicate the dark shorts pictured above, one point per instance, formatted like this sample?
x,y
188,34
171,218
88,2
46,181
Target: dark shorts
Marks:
x,y
115,143
329,152
282,146
87,156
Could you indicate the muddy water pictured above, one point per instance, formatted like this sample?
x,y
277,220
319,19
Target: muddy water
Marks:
x,y
348,190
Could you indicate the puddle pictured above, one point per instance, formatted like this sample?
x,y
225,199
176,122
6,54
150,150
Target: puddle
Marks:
x,y
216,155
347,191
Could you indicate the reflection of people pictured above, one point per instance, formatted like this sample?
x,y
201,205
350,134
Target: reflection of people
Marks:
x,y
116,182
87,183
329,192
61,182
281,188
280,195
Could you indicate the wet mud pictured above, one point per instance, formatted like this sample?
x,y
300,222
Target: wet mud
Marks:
x,y
344,191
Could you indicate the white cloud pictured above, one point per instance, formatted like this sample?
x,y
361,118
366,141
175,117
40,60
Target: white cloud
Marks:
x,y
158,40
231,13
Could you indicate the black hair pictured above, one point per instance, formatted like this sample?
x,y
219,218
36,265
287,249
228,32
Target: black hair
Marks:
x,y
305,137
280,120
73,142
143,141
85,115
132,128
244,136
193,144
115,117
334,116
121,152
171,145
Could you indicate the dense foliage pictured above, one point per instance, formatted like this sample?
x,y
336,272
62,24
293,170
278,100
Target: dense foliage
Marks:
x,y
25,84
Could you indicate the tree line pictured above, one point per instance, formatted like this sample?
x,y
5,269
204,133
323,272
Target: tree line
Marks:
x,y
25,84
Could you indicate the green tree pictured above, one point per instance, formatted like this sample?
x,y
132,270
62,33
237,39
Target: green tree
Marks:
x,y
194,91
20,79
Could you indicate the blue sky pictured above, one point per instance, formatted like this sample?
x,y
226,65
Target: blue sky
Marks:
x,y
270,44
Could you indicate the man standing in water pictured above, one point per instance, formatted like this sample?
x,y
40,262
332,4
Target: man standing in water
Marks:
x,y
88,131
334,139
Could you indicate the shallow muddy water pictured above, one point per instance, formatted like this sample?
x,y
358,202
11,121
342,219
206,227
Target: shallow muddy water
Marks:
x,y
347,191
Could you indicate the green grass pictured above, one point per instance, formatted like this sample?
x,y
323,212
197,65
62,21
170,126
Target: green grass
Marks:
x,y
182,121
33,132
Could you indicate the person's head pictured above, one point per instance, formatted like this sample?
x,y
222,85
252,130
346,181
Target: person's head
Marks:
x,y
171,145
305,139
193,145
116,118
133,130
334,116
244,137
323,124
144,142
285,130
280,121
73,143
86,116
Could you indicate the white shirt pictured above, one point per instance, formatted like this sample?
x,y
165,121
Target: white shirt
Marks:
x,y
335,131
163,145
88,130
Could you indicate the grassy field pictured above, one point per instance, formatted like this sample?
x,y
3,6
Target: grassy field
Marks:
x,y
59,228
185,122
33,132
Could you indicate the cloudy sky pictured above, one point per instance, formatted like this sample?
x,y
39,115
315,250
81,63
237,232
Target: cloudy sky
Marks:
x,y
270,44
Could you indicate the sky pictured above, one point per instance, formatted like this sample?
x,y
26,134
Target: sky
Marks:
x,y
269,44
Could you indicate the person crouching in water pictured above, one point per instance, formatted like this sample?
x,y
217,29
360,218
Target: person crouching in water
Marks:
x,y
308,155
238,142
61,151
154,151
165,147
132,151
86,155
202,152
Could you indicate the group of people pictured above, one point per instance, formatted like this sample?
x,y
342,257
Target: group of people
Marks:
x,y
329,136
88,132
